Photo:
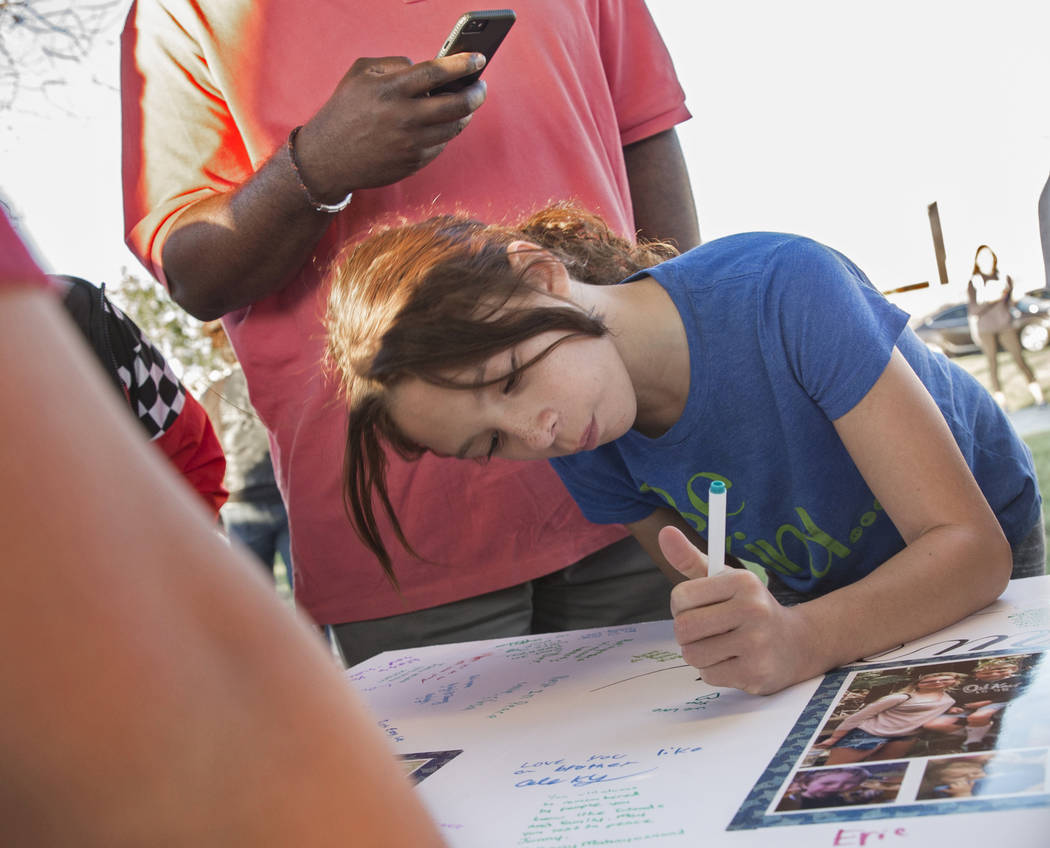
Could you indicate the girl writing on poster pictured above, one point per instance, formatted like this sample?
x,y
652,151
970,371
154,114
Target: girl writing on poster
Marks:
x,y
880,487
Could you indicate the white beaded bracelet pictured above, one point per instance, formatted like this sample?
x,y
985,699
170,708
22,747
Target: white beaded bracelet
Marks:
x,y
316,204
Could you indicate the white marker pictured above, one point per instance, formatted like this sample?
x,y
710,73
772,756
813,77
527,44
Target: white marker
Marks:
x,y
716,528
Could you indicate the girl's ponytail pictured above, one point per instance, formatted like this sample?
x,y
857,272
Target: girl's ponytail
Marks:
x,y
586,245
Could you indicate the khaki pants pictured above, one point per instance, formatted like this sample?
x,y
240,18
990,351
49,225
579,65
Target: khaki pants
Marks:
x,y
1011,343
617,585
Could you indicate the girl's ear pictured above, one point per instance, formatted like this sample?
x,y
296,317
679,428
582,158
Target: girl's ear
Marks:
x,y
538,267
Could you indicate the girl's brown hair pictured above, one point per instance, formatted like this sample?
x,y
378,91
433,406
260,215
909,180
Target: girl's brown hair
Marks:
x,y
424,299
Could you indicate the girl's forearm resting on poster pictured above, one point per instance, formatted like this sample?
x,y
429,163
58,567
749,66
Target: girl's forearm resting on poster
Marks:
x,y
955,560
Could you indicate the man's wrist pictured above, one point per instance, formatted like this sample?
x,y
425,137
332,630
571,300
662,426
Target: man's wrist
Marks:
x,y
310,196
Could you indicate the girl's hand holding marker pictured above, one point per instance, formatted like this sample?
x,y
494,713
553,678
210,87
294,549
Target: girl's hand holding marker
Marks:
x,y
728,625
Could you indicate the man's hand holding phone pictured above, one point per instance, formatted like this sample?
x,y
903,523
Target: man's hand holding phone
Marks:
x,y
379,126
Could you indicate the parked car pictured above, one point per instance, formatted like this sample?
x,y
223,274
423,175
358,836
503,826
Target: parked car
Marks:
x,y
1035,302
948,329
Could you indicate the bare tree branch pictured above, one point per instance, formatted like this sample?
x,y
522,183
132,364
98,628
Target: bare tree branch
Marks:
x,y
40,39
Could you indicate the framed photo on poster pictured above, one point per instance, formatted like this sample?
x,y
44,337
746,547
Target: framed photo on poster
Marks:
x,y
893,740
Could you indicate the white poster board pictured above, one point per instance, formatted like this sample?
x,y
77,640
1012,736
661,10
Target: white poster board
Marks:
x,y
606,737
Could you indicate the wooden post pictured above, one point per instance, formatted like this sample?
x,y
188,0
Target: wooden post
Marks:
x,y
938,242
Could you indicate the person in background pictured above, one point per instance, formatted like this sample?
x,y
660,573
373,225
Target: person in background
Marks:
x,y
989,298
254,514
255,135
170,416
156,691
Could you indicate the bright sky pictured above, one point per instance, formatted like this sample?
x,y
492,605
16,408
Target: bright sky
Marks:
x,y
835,119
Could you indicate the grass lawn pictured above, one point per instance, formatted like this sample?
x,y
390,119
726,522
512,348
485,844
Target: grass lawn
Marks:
x,y
1014,385
1039,445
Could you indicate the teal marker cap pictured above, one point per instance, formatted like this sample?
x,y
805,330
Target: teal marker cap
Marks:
x,y
718,487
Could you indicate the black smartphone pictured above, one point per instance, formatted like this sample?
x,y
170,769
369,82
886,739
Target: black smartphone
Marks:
x,y
475,32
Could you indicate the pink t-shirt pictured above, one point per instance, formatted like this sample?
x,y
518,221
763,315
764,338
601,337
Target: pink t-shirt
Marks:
x,y
17,265
205,104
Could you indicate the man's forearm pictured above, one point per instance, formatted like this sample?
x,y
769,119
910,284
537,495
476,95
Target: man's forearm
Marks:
x,y
233,249
661,194
376,129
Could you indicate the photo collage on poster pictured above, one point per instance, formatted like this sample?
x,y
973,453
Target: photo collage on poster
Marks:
x,y
966,729
919,739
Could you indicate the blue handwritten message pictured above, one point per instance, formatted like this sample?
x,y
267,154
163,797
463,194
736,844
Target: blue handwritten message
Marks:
x,y
595,768
390,730
444,694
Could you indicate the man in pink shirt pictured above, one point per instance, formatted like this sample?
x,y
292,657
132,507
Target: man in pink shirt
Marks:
x,y
237,215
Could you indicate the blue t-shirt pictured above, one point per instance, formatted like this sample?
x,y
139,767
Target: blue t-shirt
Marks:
x,y
785,336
